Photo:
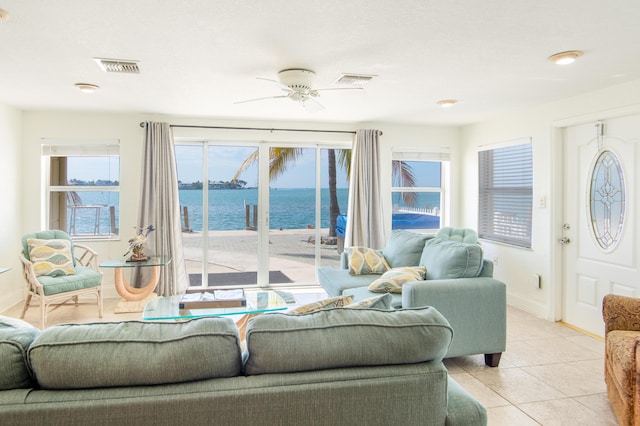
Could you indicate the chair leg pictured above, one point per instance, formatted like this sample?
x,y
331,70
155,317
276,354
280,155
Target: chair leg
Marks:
x,y
100,303
27,302
492,360
43,314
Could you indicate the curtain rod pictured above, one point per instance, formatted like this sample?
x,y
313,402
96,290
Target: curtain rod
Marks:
x,y
262,128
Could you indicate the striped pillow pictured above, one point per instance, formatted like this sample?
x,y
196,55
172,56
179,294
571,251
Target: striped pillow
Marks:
x,y
51,257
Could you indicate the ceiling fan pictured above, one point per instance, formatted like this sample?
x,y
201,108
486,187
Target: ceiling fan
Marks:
x,y
297,83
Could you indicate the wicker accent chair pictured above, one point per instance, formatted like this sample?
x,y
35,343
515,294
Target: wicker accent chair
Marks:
x,y
53,290
621,316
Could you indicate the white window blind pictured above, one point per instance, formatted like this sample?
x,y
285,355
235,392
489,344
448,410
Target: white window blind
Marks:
x,y
506,194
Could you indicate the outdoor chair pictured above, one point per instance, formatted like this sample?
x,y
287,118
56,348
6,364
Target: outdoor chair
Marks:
x,y
58,271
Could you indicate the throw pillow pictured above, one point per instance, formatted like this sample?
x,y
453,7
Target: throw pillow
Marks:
x,y
382,301
392,280
364,260
51,257
446,259
333,302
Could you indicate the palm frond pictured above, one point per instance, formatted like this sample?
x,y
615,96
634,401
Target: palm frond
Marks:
x,y
252,158
403,176
280,159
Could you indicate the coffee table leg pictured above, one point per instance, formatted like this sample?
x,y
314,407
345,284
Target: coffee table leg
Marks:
x,y
131,293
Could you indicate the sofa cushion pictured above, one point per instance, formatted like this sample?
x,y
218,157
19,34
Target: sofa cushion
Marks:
x,y
51,257
446,259
364,260
332,302
392,280
15,338
404,248
130,353
334,338
382,301
335,281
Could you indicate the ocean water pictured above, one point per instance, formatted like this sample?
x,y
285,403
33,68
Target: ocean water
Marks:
x,y
290,208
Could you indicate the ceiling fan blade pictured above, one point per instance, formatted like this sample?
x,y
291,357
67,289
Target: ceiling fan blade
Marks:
x,y
311,105
276,82
339,88
260,99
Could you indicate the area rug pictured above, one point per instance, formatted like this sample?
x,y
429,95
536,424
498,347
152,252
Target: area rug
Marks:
x,y
238,278
129,306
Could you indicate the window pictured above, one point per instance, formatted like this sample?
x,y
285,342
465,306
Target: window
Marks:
x,y
82,188
418,189
506,194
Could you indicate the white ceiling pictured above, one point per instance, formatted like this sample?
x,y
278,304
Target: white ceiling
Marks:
x,y
198,57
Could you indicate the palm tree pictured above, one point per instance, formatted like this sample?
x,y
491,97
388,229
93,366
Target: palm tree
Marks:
x,y
280,158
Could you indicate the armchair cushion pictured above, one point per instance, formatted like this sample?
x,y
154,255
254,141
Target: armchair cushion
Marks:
x,y
84,277
51,257
15,338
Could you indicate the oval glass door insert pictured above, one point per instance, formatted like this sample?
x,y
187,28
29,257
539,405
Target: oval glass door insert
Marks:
x,y
607,200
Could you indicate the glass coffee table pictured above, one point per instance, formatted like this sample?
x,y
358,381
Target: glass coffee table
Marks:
x,y
168,308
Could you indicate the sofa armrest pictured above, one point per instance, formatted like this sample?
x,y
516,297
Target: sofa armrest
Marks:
x,y
621,313
344,260
476,308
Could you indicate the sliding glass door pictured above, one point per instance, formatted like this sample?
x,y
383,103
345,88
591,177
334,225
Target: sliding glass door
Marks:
x,y
257,215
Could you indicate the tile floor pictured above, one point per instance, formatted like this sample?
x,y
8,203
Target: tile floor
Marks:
x,y
549,375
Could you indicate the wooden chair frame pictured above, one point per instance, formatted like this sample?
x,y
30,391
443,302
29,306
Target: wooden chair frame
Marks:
x,y
85,256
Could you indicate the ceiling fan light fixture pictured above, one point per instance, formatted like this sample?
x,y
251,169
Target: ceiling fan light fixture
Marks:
x,y
447,103
87,87
565,58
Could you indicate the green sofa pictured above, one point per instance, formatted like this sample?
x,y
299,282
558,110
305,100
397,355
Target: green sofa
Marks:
x,y
459,284
331,367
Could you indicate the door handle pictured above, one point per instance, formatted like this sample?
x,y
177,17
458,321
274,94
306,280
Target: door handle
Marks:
x,y
564,240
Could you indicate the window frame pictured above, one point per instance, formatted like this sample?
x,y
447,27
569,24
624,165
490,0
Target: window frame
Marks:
x,y
56,148
518,197
435,156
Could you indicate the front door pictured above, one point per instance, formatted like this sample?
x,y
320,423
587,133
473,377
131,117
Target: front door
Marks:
x,y
600,217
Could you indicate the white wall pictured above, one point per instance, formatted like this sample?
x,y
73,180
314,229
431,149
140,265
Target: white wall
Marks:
x,y
77,126
12,286
542,124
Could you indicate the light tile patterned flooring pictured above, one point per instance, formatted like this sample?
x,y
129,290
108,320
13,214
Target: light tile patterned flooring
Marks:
x,y
549,375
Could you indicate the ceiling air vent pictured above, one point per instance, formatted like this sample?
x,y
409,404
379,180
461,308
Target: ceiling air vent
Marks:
x,y
354,79
118,65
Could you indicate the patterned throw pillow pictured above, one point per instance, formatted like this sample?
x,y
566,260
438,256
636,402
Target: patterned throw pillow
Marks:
x,y
51,257
392,280
364,260
382,301
334,302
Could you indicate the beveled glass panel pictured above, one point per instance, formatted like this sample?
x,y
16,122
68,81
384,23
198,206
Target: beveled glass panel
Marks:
x,y
607,200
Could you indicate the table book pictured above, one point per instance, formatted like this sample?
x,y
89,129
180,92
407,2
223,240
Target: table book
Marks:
x,y
207,299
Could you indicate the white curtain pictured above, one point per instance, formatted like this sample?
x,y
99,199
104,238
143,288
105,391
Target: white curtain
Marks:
x,y
160,206
365,218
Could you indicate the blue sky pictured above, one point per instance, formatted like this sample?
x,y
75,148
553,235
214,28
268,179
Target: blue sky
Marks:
x,y
224,161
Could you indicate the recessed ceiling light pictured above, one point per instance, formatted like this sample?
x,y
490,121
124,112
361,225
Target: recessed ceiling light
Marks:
x,y
4,15
564,58
87,88
447,103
